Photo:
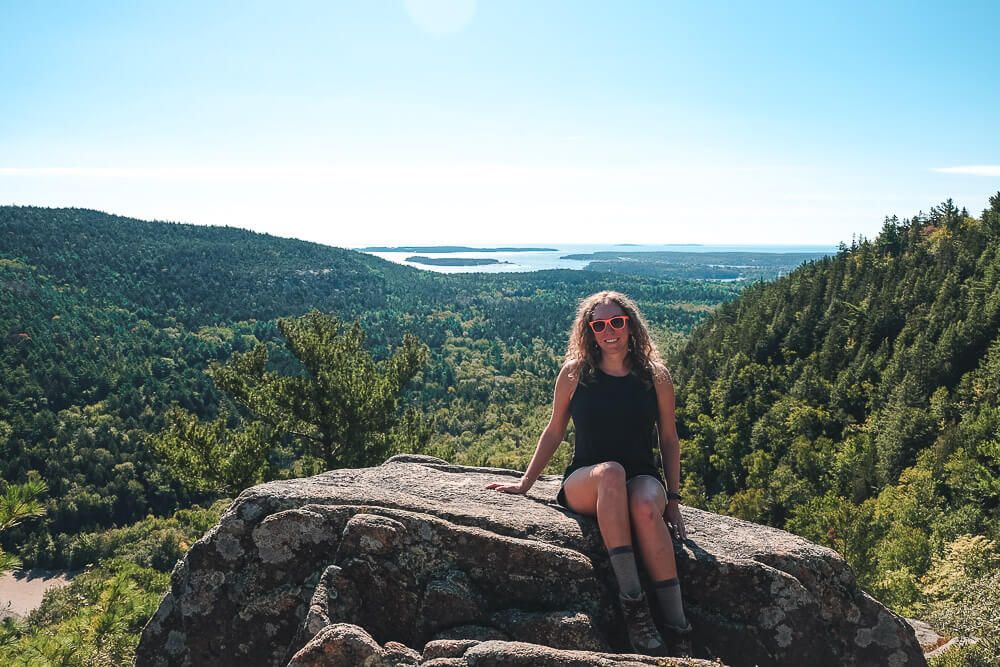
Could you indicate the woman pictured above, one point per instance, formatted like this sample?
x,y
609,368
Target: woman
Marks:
x,y
621,399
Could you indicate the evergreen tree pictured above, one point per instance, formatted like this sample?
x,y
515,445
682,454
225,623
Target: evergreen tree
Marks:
x,y
211,456
336,403
19,502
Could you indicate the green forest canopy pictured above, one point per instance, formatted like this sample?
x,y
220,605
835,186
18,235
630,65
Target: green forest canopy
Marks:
x,y
109,321
854,401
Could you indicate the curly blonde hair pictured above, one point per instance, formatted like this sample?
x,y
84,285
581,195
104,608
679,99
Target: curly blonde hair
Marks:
x,y
583,347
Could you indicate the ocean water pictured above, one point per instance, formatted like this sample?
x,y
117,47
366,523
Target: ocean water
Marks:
x,y
552,259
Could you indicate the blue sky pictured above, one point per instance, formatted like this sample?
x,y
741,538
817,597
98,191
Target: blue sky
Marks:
x,y
454,121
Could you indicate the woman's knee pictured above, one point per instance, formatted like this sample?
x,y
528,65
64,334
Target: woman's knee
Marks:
x,y
643,507
610,474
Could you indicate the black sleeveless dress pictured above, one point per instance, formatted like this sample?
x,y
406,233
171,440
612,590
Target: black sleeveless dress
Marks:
x,y
615,419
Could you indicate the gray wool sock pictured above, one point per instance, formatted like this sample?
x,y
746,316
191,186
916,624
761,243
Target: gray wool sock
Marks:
x,y
668,597
623,563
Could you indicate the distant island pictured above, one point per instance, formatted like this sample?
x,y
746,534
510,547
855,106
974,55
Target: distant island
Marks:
x,y
453,261
448,248
729,258
722,266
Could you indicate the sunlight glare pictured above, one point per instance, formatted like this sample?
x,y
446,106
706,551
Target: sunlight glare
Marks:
x,y
441,17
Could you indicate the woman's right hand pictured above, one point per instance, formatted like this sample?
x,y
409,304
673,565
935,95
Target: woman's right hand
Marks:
x,y
508,488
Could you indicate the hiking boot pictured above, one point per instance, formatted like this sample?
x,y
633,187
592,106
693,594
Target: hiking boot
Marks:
x,y
642,632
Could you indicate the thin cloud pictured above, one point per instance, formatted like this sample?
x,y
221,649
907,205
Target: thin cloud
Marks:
x,y
971,170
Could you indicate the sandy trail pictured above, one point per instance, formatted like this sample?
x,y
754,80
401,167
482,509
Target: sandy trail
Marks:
x,y
21,591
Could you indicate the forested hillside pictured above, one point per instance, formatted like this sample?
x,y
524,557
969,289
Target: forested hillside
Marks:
x,y
107,321
857,402
185,274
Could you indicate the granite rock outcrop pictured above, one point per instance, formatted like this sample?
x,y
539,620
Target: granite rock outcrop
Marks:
x,y
415,562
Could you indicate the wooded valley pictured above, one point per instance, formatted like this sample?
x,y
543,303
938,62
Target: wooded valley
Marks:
x,y
150,370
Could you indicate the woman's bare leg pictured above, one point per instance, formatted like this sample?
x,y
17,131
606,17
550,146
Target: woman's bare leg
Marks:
x,y
600,491
647,502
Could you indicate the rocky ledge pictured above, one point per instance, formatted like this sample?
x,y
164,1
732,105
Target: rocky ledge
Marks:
x,y
415,562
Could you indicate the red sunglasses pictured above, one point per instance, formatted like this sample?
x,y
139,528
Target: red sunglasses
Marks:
x,y
617,323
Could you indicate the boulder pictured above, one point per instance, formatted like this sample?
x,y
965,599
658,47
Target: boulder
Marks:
x,y
416,562
927,637
345,645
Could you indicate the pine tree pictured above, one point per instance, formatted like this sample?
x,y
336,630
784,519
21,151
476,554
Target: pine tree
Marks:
x,y
338,405
19,502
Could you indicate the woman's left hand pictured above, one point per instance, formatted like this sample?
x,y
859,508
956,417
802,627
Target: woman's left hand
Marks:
x,y
675,521
509,488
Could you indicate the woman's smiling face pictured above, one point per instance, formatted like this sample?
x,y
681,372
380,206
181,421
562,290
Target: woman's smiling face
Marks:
x,y
610,339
